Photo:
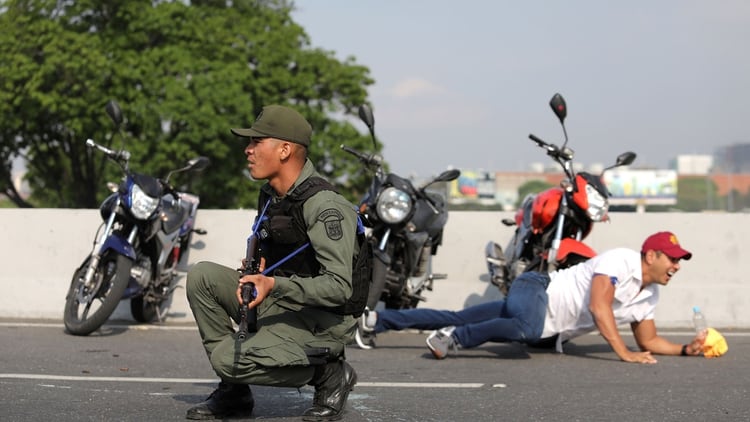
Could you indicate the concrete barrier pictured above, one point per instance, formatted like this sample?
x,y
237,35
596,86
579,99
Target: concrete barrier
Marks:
x,y
42,247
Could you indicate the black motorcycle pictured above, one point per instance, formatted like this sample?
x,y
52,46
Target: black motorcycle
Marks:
x,y
146,231
405,224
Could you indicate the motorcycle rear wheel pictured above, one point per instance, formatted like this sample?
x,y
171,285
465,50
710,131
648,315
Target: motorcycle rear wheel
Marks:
x,y
112,276
147,311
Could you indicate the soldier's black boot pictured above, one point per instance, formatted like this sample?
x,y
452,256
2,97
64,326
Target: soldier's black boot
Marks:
x,y
227,400
333,382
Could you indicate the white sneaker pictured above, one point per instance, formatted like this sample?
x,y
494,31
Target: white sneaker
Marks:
x,y
367,321
441,341
365,334
364,340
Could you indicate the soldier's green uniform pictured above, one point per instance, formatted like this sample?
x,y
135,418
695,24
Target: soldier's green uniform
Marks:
x,y
296,316
302,328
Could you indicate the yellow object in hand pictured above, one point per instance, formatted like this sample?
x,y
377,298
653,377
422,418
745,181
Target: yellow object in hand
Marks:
x,y
715,344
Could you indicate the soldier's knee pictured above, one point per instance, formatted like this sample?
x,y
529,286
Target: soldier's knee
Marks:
x,y
196,277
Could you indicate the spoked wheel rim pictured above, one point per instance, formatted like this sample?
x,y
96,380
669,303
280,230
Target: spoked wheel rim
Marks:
x,y
88,307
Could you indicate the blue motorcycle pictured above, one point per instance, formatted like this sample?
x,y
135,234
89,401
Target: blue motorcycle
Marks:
x,y
146,231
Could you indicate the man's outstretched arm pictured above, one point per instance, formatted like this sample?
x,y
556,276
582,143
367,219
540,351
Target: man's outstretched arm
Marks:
x,y
648,340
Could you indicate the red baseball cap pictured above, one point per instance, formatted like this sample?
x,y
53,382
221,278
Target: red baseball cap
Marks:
x,y
665,242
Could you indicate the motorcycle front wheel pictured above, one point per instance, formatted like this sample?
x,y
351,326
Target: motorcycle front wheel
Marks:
x,y
87,308
377,287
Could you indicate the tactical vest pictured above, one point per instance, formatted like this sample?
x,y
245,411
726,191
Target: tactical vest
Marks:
x,y
283,231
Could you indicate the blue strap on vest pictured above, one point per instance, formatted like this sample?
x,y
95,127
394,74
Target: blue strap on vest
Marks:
x,y
255,233
285,259
360,230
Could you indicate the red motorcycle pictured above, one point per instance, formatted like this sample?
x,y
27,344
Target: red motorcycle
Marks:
x,y
551,225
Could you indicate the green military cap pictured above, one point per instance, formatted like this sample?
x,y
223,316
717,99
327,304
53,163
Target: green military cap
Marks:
x,y
277,121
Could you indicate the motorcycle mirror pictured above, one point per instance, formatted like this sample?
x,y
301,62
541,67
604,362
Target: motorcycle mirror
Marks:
x,y
445,176
448,175
559,107
365,114
625,159
199,163
113,111
194,164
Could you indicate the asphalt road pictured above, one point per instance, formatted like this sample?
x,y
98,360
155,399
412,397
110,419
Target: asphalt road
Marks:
x,y
155,373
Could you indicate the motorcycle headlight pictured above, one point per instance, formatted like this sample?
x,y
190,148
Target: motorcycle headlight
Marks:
x,y
142,205
394,205
598,204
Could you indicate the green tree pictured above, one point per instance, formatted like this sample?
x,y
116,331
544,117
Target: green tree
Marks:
x,y
183,75
696,193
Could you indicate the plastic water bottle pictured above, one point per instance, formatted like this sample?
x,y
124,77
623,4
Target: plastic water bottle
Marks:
x,y
699,322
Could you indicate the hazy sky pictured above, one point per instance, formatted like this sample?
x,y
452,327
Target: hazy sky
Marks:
x,y
463,83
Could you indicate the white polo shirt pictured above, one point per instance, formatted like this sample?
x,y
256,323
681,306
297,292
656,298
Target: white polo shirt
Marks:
x,y
569,294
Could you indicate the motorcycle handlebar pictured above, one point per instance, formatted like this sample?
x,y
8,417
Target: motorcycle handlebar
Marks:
x,y
365,158
115,155
351,151
552,150
537,140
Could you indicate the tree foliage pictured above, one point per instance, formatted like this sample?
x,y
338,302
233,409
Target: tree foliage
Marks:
x,y
696,194
183,74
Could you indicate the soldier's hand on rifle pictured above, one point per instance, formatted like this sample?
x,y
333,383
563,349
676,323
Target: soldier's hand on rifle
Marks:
x,y
263,285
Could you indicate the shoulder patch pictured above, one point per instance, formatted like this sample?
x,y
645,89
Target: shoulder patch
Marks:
x,y
331,219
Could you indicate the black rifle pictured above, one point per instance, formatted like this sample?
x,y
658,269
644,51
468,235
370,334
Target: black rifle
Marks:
x,y
249,316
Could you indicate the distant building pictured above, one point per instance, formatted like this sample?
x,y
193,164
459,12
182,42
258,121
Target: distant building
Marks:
x,y
496,188
728,169
728,182
692,164
733,159
640,187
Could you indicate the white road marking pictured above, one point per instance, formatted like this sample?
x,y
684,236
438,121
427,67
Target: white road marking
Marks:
x,y
214,381
109,379
421,384
120,326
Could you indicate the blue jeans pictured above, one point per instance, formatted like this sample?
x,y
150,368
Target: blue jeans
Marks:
x,y
520,317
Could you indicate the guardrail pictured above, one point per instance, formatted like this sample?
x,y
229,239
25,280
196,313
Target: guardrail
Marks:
x,y
42,247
